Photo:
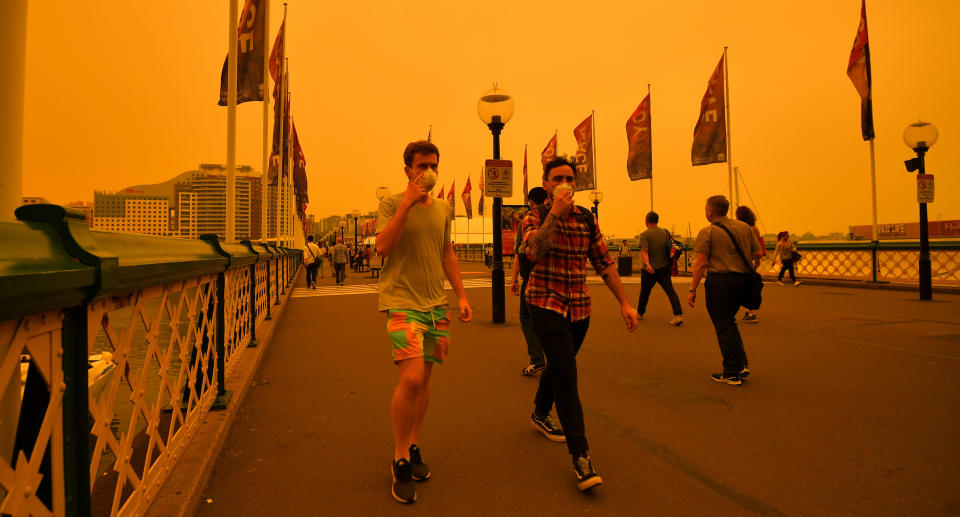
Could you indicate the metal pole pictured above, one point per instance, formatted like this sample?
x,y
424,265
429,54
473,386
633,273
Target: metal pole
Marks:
x,y
13,48
266,124
873,188
496,276
596,209
231,122
926,284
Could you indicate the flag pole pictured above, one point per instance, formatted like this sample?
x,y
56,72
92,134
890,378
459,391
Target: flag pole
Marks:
x,y
266,122
282,108
873,187
650,108
231,120
291,207
726,100
593,157
736,183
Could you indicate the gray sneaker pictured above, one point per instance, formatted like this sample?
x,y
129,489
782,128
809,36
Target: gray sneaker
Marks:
x,y
587,478
419,470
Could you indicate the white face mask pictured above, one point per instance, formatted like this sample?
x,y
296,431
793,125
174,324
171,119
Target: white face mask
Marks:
x,y
428,180
562,187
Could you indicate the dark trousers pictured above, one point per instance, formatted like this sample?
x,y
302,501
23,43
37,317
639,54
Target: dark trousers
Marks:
x,y
340,271
534,349
561,340
312,270
659,276
725,291
787,265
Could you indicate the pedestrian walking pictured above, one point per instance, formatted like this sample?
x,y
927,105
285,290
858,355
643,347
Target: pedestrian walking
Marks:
x,y
560,244
322,258
340,256
536,199
745,215
721,252
786,253
413,236
656,245
312,260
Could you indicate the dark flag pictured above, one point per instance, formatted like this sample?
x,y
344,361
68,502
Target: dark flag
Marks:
x,y
276,56
281,132
525,196
550,151
584,157
480,201
249,56
467,199
639,145
452,198
299,176
710,135
858,69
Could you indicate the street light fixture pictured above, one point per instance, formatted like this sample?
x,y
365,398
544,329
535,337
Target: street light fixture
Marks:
x,y
920,137
495,109
356,217
596,196
382,192
343,224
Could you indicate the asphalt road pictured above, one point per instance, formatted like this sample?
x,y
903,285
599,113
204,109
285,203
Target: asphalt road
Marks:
x,y
852,409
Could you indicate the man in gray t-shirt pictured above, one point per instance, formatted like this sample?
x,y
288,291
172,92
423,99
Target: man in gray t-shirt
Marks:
x,y
413,237
655,247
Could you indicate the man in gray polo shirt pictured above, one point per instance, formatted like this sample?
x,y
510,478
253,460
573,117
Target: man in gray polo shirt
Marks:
x,y
727,282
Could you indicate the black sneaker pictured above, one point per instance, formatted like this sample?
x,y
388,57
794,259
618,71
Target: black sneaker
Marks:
x,y
549,427
733,380
745,371
587,478
403,490
532,369
749,318
419,470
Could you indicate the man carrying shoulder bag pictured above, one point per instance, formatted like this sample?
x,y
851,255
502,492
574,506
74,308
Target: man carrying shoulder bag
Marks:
x,y
721,252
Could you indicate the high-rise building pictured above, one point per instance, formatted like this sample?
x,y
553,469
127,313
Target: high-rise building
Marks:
x,y
133,213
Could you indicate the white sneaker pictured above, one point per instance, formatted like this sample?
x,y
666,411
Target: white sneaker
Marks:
x,y
798,282
677,320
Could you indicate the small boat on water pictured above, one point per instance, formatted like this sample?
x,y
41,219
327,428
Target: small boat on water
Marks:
x,y
99,368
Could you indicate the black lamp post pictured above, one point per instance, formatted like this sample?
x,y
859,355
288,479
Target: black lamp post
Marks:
x,y
343,225
495,108
920,137
356,218
596,196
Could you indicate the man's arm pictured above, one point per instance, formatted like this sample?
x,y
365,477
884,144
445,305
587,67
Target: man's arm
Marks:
x,y
514,284
645,255
699,268
452,269
541,240
612,279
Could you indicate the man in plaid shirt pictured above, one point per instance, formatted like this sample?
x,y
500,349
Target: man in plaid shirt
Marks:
x,y
560,245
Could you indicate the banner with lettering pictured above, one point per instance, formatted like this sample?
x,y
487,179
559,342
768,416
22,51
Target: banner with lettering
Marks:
x,y
858,69
299,175
550,151
710,134
467,199
639,143
249,56
281,130
586,176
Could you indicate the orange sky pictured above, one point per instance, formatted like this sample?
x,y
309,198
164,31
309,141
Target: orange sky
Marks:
x,y
122,93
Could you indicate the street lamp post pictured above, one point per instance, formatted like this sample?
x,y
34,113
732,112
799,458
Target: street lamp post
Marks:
x,y
356,241
596,196
920,137
343,224
495,108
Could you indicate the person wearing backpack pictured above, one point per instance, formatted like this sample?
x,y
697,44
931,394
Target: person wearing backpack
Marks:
x,y
656,246
521,268
560,244
722,250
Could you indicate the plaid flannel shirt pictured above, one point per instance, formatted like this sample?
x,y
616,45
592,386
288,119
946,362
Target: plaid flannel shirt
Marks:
x,y
558,281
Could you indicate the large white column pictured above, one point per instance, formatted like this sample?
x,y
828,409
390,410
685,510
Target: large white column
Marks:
x,y
13,54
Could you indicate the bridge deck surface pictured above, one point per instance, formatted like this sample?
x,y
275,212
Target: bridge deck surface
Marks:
x,y
851,409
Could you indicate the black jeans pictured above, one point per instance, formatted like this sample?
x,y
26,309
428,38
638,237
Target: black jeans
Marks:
x,y
312,270
561,340
725,291
659,276
340,271
534,349
787,265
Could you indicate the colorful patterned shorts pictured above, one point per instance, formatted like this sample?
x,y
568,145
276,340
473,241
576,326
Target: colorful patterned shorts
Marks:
x,y
419,334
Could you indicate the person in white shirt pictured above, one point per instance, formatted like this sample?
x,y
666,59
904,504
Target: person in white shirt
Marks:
x,y
312,258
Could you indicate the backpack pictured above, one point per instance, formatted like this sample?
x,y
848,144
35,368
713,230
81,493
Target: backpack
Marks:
x,y
526,265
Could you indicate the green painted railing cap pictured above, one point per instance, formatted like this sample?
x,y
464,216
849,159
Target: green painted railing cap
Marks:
x,y
263,247
237,254
36,272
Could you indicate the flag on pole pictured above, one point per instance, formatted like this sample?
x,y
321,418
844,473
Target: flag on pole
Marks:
x,y
281,132
858,69
299,175
480,201
550,151
584,157
249,56
276,56
451,198
467,199
430,133
524,174
710,134
440,195
639,145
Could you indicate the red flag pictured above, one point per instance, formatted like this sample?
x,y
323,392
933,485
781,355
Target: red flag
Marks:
x,y
440,195
249,56
550,151
299,175
480,202
858,69
710,134
277,53
451,198
525,174
281,132
585,173
639,145
467,199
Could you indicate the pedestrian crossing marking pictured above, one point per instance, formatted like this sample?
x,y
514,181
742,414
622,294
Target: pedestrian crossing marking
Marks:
x,y
468,283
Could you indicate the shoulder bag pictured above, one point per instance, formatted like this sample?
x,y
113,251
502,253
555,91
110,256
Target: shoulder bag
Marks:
x,y
753,297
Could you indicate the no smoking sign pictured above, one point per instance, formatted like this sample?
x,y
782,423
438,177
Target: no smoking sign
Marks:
x,y
499,178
